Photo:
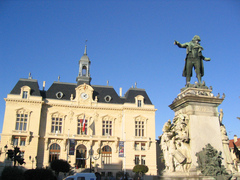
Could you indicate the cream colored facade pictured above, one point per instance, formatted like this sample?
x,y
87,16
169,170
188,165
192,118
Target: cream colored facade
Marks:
x,y
39,123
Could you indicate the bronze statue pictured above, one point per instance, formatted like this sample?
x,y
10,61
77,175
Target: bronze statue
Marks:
x,y
193,59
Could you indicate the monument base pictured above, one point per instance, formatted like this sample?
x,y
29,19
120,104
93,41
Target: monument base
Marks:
x,y
196,124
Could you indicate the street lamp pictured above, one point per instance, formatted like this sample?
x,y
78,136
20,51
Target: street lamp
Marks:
x,y
32,159
5,149
90,155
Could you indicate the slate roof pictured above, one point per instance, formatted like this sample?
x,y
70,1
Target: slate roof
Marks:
x,y
66,88
102,91
69,88
133,92
32,83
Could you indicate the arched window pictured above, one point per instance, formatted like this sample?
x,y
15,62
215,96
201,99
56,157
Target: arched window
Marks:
x,y
80,155
106,155
54,152
84,71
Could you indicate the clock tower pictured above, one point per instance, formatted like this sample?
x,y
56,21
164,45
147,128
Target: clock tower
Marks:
x,y
84,69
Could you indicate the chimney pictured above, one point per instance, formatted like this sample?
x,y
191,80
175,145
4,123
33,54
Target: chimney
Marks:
x,y
44,82
120,92
235,138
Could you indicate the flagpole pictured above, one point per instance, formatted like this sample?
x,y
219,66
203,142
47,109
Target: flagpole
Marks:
x,y
68,146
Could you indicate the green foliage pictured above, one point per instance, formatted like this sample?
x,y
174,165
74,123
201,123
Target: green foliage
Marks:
x,y
140,169
60,165
12,173
39,174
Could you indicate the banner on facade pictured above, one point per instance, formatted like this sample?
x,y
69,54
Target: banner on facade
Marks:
x,y
71,146
121,149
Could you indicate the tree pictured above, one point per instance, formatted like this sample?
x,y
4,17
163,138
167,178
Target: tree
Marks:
x,y
140,170
15,156
60,165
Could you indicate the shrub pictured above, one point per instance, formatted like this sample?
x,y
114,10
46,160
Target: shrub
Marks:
x,y
140,169
60,165
39,174
12,173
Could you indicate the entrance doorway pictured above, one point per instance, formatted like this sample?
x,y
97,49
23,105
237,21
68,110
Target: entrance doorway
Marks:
x,y
80,154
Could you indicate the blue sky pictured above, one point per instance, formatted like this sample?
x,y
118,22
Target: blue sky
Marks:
x,y
128,41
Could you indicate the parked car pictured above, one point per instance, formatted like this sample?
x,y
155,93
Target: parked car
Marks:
x,y
81,176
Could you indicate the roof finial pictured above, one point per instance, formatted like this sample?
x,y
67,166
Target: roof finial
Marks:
x,y
135,84
29,76
107,82
58,78
85,51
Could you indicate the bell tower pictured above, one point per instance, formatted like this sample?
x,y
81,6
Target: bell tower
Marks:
x,y
84,69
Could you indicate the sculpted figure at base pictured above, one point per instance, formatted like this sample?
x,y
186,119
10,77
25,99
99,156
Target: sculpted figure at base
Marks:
x,y
194,58
175,144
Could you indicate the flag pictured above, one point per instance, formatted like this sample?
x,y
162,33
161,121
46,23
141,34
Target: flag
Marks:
x,y
84,123
92,127
71,146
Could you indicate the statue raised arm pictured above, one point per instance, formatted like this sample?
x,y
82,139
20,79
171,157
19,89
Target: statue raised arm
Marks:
x,y
194,58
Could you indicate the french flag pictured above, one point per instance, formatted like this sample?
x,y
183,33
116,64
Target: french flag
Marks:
x,y
84,123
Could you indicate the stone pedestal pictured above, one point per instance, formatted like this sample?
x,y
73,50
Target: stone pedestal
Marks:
x,y
201,108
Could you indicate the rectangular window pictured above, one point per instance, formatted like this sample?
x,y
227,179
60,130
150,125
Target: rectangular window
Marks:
x,y
56,125
80,124
136,159
25,95
139,103
22,141
21,122
15,141
107,128
139,128
143,158
143,146
137,146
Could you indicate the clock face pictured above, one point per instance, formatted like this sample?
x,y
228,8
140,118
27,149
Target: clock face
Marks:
x,y
84,95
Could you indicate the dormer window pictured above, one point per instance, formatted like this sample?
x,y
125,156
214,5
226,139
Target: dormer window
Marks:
x,y
25,92
139,101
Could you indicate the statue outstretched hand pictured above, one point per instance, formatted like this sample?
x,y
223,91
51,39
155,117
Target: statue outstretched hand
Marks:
x,y
206,59
175,42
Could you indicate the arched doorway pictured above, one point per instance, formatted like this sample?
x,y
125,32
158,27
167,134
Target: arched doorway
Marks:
x,y
80,154
54,152
106,155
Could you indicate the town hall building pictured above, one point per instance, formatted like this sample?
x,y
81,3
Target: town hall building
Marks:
x,y
90,126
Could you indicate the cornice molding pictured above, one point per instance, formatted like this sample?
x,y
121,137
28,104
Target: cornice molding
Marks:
x,y
24,100
100,108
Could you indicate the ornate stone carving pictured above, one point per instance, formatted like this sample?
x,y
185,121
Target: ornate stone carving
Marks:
x,y
195,91
210,163
70,115
175,144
